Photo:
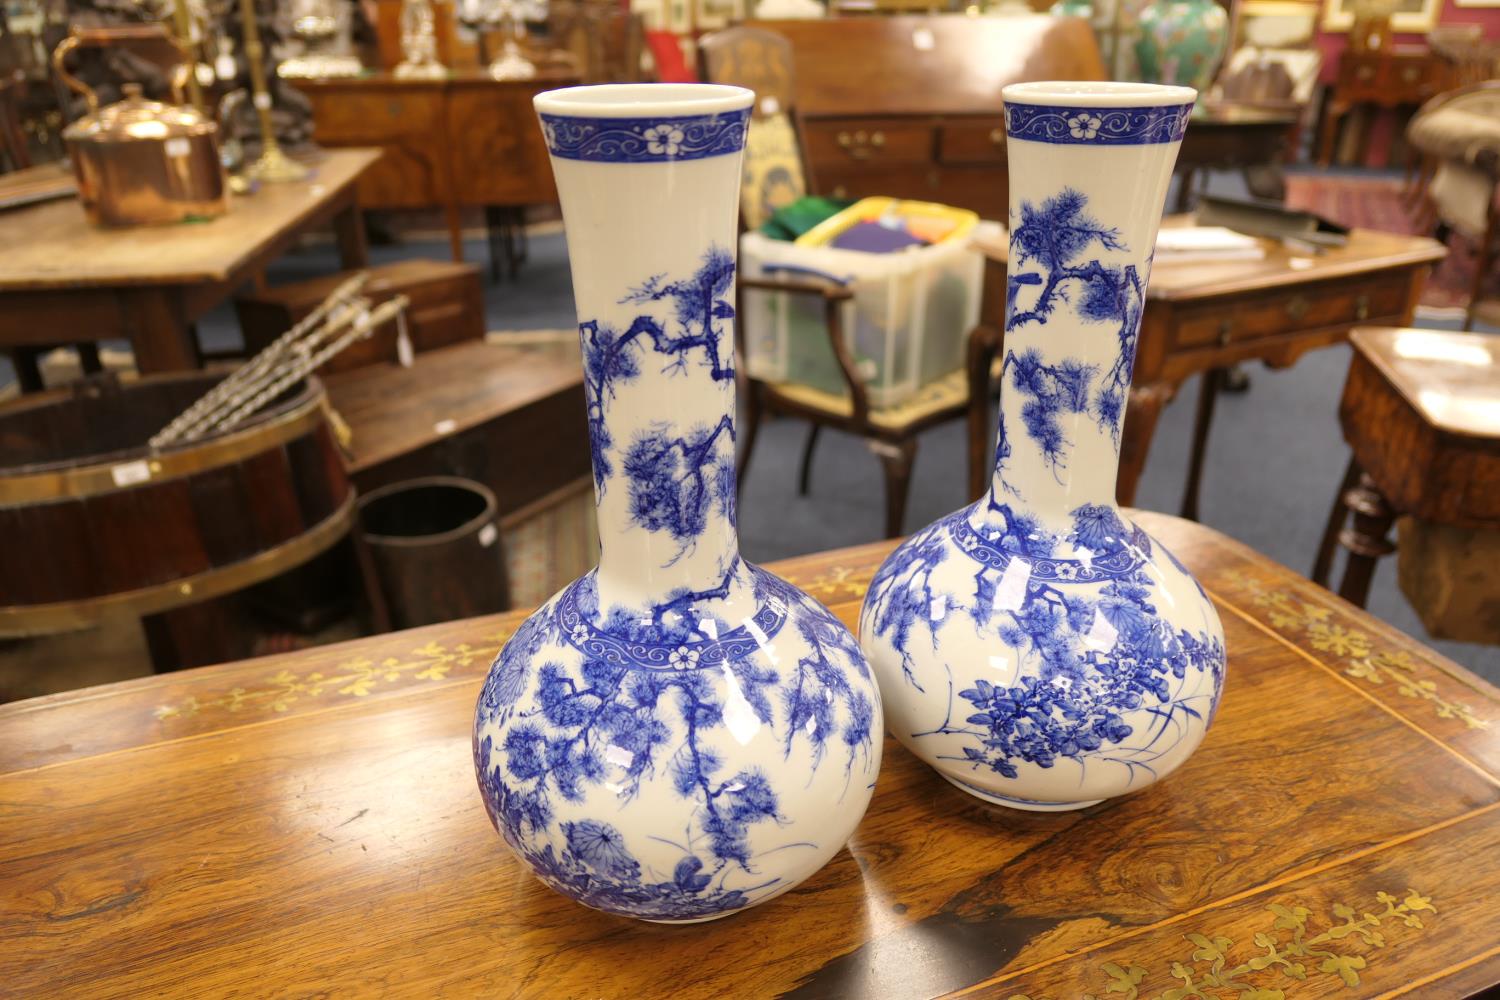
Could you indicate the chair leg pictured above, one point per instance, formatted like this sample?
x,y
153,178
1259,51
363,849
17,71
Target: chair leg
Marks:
x,y
1337,515
804,473
1366,539
755,412
896,460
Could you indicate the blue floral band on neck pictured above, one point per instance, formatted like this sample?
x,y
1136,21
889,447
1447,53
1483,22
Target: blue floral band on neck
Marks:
x,y
645,140
1096,126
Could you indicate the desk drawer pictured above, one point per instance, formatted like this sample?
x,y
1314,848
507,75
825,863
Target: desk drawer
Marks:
x,y
1276,312
868,142
376,117
972,142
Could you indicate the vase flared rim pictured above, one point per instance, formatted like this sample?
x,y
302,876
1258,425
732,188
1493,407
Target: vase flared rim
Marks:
x,y
644,100
1097,94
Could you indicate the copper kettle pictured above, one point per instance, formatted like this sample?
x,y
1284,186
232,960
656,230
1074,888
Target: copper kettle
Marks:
x,y
141,162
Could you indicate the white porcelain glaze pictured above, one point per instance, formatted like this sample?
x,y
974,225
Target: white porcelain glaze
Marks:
x,y
678,734
1036,648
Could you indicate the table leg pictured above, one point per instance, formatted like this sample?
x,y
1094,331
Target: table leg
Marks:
x,y
1146,404
1337,515
349,230
1331,119
1185,179
160,335
1208,394
1366,539
983,344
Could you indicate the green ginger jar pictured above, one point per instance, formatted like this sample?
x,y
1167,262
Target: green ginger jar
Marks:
x,y
1181,42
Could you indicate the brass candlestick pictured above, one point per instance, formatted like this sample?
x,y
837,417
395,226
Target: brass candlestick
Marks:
x,y
182,20
272,166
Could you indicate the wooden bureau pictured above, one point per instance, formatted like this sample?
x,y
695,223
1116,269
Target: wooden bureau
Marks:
x,y
451,144
1399,77
910,106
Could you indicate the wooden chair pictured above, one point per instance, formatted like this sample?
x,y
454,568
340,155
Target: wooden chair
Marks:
x,y
1458,135
775,174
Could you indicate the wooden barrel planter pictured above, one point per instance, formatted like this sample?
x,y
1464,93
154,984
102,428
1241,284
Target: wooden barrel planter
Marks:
x,y
435,545
94,523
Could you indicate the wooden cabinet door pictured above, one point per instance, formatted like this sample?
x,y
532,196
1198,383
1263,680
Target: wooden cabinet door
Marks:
x,y
405,119
499,155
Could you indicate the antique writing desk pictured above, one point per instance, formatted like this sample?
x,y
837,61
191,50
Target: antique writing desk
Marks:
x,y
465,140
308,824
63,281
1202,318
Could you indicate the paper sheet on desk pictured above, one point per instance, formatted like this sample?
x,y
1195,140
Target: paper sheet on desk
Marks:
x,y
1205,244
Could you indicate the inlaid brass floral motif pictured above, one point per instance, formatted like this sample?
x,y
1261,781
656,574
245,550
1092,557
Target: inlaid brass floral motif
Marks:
x,y
1362,659
1288,951
354,678
837,583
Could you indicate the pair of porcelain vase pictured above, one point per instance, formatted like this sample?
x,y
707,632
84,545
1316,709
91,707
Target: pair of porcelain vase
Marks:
x,y
680,734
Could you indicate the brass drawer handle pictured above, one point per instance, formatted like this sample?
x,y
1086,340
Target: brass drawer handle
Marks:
x,y
877,140
844,139
1297,308
997,136
1225,328
1366,72
1362,307
1410,74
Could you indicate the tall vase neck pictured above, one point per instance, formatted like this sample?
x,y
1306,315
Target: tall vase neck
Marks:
x,y
1089,172
649,203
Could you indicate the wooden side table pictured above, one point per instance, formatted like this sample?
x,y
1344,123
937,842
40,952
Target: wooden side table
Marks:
x,y
1400,77
309,823
1421,413
1202,318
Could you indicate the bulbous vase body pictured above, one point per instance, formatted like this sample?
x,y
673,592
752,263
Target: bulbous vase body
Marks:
x,y
1037,648
678,734
1181,41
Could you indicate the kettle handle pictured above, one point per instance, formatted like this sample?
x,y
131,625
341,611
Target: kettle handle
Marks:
x,y
100,36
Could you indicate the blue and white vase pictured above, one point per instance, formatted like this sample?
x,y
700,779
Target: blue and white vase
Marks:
x,y
678,734
1037,648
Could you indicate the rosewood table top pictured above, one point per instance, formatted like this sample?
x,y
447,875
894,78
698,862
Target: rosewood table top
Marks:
x,y
308,824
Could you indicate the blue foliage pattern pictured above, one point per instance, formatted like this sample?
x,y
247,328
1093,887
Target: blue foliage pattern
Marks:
x,y
1097,126
581,696
1058,237
678,477
1071,701
645,140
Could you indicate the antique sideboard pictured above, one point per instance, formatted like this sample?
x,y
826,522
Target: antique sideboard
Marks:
x,y
910,106
455,143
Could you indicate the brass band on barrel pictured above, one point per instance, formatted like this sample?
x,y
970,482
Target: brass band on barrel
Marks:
x,y
88,480
36,619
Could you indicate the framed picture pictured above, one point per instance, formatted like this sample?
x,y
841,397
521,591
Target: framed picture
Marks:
x,y
715,14
1410,15
1477,3
679,16
1276,24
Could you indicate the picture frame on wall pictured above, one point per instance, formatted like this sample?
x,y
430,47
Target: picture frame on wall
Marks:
x,y
715,14
1410,16
1477,3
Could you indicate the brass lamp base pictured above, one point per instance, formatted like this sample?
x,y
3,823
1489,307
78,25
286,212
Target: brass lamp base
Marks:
x,y
275,167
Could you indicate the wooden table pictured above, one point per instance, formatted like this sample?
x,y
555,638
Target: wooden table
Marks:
x,y
463,141
308,823
1421,413
1403,76
1203,318
63,281
1229,136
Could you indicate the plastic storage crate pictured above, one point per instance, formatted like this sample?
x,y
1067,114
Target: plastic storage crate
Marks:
x,y
906,326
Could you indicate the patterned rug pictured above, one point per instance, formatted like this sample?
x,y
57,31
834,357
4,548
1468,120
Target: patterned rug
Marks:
x,y
1375,203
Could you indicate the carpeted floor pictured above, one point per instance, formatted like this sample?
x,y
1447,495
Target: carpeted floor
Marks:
x,y
1275,458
